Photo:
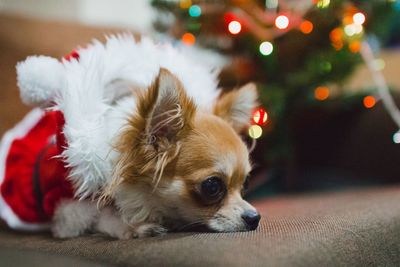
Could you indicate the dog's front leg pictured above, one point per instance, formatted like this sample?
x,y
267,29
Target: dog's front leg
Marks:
x,y
73,218
110,223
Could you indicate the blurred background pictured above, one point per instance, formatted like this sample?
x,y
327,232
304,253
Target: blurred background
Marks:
x,y
327,72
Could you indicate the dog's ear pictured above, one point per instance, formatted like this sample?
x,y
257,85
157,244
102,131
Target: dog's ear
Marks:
x,y
236,106
167,110
151,139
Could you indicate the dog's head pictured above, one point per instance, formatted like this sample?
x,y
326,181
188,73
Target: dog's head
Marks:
x,y
181,166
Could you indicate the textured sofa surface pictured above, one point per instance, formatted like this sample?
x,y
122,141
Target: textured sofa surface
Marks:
x,y
351,228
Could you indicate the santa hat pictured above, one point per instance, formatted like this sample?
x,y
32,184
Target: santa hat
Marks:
x,y
40,78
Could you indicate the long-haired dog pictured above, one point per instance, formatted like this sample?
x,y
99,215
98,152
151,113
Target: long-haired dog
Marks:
x,y
144,142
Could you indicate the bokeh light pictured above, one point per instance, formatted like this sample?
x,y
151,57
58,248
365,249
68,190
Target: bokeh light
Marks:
x,y
306,27
282,22
188,39
185,3
347,19
323,3
255,131
321,93
336,35
396,138
266,48
234,27
358,28
326,67
369,101
355,46
350,30
195,11
359,18
353,29
260,116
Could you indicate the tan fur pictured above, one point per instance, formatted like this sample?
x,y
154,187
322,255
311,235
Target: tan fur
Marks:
x,y
237,106
139,158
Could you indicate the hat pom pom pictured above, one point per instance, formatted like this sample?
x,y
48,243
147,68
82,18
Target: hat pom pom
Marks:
x,y
39,78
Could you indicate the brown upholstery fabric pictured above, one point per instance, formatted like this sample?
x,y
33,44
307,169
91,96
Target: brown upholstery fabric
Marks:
x,y
354,228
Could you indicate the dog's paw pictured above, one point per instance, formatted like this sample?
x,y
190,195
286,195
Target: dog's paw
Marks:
x,y
149,230
121,231
110,223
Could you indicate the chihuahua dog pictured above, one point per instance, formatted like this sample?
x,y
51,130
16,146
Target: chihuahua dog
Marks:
x,y
166,158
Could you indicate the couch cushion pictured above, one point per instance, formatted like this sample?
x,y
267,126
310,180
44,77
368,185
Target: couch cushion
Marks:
x,y
356,228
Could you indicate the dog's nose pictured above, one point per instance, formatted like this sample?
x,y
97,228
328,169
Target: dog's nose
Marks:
x,y
251,218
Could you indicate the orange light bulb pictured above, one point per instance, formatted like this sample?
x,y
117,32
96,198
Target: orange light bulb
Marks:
x,y
188,39
306,27
369,101
321,93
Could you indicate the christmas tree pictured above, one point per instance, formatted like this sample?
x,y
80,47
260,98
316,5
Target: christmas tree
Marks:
x,y
298,52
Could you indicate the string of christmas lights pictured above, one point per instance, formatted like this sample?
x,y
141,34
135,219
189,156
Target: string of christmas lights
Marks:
x,y
277,18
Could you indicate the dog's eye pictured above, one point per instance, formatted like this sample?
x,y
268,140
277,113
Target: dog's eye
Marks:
x,y
213,188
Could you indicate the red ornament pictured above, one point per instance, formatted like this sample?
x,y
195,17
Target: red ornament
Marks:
x,y
260,117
